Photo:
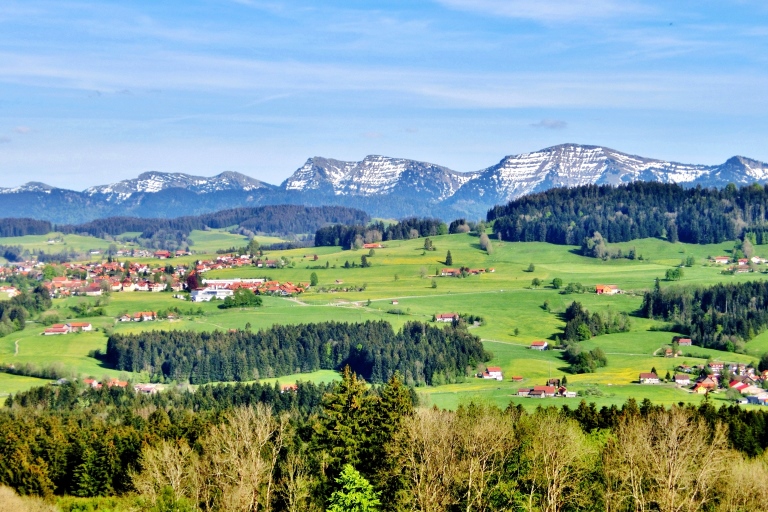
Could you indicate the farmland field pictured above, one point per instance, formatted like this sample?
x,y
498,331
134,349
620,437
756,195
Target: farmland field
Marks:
x,y
514,312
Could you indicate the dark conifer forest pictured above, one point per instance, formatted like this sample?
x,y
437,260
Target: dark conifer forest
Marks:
x,y
635,210
345,236
723,316
420,352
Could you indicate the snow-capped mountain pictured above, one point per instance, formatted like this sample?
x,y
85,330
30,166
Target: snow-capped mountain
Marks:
x,y
383,186
376,176
151,182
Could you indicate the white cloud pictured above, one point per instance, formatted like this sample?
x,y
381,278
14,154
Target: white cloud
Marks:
x,y
550,124
559,11
22,129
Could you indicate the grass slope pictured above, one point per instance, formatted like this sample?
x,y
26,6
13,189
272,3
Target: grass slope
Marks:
x,y
504,298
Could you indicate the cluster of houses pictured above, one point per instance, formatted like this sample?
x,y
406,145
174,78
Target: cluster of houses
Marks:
x,y
742,377
222,288
59,329
741,265
141,316
457,272
552,389
9,291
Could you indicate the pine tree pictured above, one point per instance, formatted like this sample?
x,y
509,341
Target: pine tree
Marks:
x,y
346,422
448,259
356,494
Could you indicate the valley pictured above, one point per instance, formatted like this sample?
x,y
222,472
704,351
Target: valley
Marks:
x,y
513,312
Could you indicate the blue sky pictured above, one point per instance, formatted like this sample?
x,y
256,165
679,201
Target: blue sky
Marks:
x,y
92,93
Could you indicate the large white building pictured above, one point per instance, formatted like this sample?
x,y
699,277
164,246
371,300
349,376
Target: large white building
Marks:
x,y
208,293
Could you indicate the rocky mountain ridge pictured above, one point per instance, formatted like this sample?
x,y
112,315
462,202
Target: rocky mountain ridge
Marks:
x,y
383,186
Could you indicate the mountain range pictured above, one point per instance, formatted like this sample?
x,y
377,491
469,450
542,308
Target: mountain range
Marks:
x,y
382,186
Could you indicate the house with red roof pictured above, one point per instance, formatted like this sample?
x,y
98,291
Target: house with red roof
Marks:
x,y
493,372
649,378
539,345
607,289
446,317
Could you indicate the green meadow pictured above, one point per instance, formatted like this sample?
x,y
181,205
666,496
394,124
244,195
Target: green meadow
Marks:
x,y
514,312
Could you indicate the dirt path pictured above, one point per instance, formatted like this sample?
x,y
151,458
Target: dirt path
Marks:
x,y
16,351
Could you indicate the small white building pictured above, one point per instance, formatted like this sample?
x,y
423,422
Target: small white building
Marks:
x,y
539,345
493,372
649,378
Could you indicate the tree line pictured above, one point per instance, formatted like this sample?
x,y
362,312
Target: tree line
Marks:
x,y
15,312
723,316
229,450
631,211
420,352
354,236
274,219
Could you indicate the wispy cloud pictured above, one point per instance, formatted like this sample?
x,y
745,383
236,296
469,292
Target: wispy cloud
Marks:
x,y
22,129
550,124
560,11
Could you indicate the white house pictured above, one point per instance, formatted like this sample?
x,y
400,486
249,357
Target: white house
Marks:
x,y
446,317
649,378
539,345
682,379
493,372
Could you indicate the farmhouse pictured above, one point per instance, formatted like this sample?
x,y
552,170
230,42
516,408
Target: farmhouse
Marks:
x,y
446,317
79,326
56,329
372,246
716,367
450,272
162,255
493,372
649,378
607,289
539,345
682,379
743,262
684,342
722,260
144,316
546,390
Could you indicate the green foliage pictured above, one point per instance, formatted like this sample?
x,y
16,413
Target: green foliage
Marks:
x,y
557,283
373,349
242,298
531,268
313,279
581,326
674,274
448,259
356,494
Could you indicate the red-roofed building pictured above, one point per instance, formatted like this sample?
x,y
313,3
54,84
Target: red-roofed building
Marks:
x,y
493,372
446,317
539,345
607,289
649,378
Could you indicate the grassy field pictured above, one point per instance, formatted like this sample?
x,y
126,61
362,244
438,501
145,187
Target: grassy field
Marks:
x,y
63,243
513,311
210,241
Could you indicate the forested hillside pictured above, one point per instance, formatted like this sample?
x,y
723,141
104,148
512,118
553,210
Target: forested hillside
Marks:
x,y
632,211
420,352
350,235
255,447
724,316
279,219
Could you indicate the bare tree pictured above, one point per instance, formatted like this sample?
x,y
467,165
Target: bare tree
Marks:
x,y
296,484
430,459
169,464
746,486
240,457
559,457
672,460
486,440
